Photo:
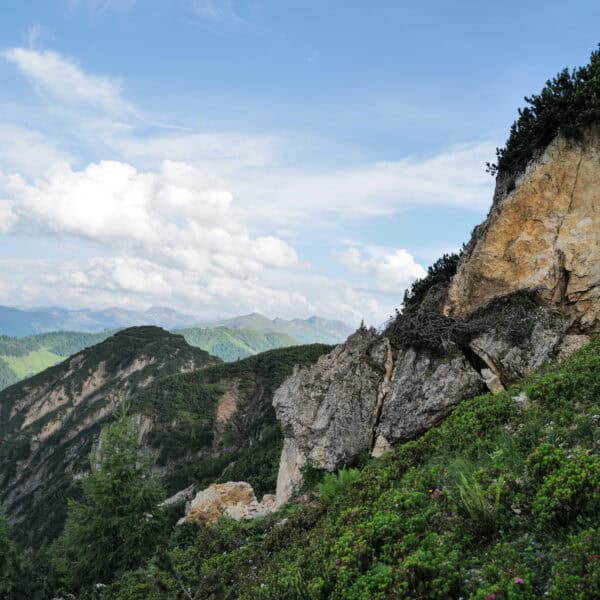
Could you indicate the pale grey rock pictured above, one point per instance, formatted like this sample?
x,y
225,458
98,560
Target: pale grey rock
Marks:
x,y
181,496
330,408
381,447
510,362
424,389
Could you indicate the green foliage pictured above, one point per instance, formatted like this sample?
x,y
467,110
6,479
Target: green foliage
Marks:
x,y
335,484
568,485
499,501
118,522
569,103
5,545
234,344
441,272
22,357
7,375
477,504
422,325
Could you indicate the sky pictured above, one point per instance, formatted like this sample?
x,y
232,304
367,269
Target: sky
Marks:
x,y
225,157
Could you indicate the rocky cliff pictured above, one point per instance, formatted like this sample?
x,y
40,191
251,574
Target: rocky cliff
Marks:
x,y
200,421
543,232
526,290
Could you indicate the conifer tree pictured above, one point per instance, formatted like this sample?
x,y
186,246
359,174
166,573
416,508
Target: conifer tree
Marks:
x,y
118,523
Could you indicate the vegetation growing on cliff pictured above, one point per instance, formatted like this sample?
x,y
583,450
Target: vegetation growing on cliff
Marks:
x,y
502,500
118,521
568,104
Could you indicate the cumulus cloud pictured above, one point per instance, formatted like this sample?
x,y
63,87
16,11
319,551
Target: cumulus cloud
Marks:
x,y
189,218
176,217
391,269
53,74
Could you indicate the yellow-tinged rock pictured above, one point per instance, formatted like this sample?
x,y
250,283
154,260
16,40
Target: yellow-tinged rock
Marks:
x,y
544,234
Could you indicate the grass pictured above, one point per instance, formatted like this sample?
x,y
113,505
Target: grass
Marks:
x,y
32,363
502,501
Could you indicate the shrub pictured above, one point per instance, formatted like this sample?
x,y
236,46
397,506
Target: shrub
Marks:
x,y
334,484
475,502
569,103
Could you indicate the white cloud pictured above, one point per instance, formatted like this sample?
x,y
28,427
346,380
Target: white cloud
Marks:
x,y
392,269
453,177
162,213
174,217
62,79
223,151
27,151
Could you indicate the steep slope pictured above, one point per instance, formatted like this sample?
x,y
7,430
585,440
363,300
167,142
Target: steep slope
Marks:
x,y
500,501
22,357
197,420
49,423
543,234
525,291
233,344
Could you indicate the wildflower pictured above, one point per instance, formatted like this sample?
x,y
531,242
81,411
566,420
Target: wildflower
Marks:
x,y
519,581
436,493
491,597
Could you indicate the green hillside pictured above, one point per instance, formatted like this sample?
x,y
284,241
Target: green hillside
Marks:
x,y
233,344
23,357
27,356
501,501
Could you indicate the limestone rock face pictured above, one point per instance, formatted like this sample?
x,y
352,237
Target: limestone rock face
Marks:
x,y
234,499
424,389
543,234
508,362
330,410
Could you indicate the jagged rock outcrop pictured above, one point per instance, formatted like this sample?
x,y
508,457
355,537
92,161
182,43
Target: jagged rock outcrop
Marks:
x,y
234,499
541,239
423,390
329,412
543,234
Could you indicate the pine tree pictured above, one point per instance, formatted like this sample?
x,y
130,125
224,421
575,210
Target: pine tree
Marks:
x,y
118,524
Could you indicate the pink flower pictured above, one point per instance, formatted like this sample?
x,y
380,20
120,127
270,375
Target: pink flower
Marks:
x,y
436,493
519,581
491,597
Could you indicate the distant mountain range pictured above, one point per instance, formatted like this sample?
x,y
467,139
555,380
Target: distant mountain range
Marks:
x,y
18,323
22,356
313,329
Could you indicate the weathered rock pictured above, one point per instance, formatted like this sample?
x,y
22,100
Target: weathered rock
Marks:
x,y
181,496
544,234
234,499
424,389
330,410
381,447
507,361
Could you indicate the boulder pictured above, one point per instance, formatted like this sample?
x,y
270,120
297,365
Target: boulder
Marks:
x,y
234,499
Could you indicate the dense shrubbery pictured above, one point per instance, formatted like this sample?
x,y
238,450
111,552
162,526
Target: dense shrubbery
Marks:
x,y
500,501
422,325
569,103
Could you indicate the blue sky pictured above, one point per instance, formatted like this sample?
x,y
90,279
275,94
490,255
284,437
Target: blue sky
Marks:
x,y
221,157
